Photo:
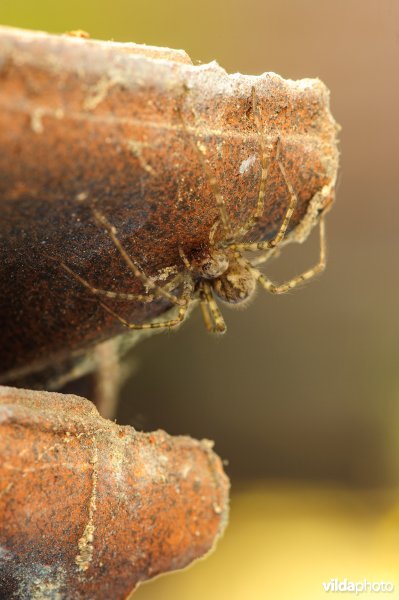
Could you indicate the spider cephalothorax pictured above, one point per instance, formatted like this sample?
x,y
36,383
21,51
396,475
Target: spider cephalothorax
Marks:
x,y
229,277
236,284
208,265
221,270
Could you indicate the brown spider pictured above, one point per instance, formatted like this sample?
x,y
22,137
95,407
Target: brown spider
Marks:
x,y
221,271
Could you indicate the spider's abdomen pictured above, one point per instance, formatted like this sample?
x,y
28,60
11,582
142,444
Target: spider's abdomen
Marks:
x,y
236,285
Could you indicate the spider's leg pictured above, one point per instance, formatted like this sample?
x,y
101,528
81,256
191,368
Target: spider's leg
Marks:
x,y
107,293
185,260
212,232
278,238
187,294
220,203
153,325
264,257
147,281
299,279
205,310
260,204
213,318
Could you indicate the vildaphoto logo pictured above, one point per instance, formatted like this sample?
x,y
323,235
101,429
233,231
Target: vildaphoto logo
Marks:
x,y
358,587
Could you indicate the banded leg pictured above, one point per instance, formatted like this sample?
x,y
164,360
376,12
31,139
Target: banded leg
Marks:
x,y
267,254
185,260
157,324
107,293
299,279
220,203
260,205
210,309
205,311
147,281
255,246
212,232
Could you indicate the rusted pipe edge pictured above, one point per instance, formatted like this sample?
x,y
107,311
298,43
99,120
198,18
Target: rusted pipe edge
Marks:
x,y
84,122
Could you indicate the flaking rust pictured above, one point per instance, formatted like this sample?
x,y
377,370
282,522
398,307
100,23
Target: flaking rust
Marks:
x,y
86,123
89,509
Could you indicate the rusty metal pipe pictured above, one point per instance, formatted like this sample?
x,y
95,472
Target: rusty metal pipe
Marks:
x,y
84,122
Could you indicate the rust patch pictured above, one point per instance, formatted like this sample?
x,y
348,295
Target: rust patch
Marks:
x,y
89,508
107,132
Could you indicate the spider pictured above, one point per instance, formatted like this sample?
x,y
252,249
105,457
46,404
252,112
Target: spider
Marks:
x,y
221,271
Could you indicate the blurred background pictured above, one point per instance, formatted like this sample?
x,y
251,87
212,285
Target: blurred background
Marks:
x,y
302,394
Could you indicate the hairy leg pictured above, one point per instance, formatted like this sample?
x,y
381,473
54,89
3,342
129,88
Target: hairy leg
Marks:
x,y
298,279
253,247
147,281
210,311
260,204
187,294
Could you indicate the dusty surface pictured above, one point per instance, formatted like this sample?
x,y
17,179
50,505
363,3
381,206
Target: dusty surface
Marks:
x,y
88,509
85,122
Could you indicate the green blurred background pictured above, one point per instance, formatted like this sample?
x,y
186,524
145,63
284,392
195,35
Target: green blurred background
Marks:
x,y
302,394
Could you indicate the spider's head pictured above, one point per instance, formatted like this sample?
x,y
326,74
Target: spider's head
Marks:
x,y
211,265
235,285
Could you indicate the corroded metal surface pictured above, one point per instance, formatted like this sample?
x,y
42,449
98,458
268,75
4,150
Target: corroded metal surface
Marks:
x,y
88,509
85,122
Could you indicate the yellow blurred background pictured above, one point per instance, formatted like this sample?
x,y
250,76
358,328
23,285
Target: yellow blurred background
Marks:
x,y
302,394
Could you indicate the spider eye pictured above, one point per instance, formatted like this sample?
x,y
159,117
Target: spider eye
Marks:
x,y
208,267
